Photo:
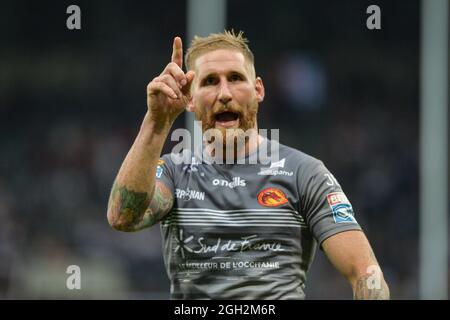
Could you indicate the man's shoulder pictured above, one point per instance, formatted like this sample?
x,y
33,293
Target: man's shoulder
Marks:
x,y
297,156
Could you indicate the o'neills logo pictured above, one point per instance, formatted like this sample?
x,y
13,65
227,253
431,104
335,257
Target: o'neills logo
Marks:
x,y
237,182
271,197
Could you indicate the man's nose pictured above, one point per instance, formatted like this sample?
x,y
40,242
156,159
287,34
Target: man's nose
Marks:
x,y
224,93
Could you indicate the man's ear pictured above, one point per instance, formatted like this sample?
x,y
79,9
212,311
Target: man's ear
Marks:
x,y
260,91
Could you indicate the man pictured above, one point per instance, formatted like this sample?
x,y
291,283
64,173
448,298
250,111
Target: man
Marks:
x,y
234,231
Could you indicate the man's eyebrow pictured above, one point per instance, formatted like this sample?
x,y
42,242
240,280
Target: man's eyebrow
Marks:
x,y
213,73
209,74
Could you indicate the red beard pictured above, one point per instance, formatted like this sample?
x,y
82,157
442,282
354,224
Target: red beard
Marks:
x,y
246,116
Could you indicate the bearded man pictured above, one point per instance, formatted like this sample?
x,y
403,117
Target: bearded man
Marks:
x,y
240,230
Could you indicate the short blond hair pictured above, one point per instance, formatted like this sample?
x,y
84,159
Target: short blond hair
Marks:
x,y
215,41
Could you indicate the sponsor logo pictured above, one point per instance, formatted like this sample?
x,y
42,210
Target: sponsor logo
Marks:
x,y
159,171
278,164
193,167
237,182
181,243
159,168
189,194
274,169
341,207
271,197
201,245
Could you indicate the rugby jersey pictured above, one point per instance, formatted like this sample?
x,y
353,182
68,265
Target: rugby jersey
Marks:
x,y
248,231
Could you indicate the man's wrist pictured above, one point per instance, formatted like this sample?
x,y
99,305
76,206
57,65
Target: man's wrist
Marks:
x,y
157,125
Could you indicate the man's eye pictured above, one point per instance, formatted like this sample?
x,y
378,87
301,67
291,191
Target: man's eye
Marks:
x,y
235,77
209,81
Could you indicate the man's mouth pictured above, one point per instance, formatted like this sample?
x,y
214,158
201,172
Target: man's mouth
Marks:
x,y
227,119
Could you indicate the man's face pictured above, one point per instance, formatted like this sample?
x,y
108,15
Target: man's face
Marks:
x,y
225,93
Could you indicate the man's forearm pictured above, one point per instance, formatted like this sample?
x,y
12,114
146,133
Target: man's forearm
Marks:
x,y
364,289
134,186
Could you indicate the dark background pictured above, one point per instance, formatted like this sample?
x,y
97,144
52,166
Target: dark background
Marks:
x,y
71,103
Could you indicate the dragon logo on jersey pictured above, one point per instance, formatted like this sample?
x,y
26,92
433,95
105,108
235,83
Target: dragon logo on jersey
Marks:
x,y
271,197
341,207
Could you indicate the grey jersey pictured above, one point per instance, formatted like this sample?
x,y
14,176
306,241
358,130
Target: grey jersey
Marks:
x,y
248,231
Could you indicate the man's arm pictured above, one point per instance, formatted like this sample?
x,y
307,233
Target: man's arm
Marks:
x,y
136,200
352,255
128,218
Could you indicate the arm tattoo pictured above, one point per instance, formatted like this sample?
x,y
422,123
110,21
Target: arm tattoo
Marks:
x,y
127,207
365,291
160,205
133,211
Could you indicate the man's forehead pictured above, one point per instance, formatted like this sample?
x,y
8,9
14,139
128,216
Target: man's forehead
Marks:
x,y
220,59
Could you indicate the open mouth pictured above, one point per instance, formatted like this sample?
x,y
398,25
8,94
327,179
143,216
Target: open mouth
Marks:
x,y
227,118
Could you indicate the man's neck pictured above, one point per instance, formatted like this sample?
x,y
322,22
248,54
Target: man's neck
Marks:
x,y
232,151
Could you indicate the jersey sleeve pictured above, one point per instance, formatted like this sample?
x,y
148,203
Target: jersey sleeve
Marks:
x,y
324,203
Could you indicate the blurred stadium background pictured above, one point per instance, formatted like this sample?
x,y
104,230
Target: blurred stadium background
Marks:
x,y
71,103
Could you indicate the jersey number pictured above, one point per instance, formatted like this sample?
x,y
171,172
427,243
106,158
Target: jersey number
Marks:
x,y
331,180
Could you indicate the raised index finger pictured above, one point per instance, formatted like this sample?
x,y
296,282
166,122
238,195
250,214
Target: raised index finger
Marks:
x,y
177,52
